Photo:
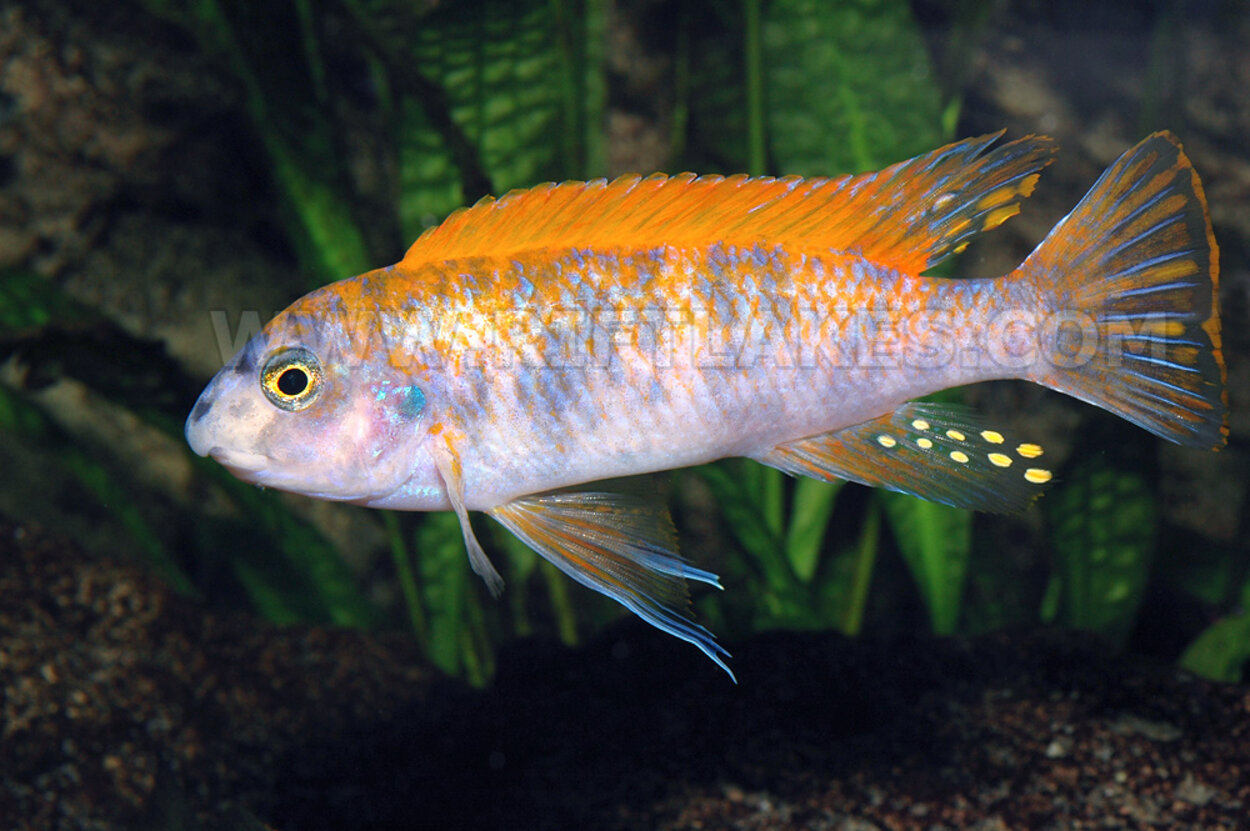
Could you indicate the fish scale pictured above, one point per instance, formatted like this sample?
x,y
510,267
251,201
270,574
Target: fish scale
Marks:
x,y
589,330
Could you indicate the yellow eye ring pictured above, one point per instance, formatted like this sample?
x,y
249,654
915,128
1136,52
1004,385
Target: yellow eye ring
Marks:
x,y
292,379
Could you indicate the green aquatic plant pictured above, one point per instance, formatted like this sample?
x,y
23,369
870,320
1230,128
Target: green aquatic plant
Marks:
x,y
1222,650
1103,528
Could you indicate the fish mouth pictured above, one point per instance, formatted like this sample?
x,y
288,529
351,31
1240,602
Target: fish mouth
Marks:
x,y
241,463
257,469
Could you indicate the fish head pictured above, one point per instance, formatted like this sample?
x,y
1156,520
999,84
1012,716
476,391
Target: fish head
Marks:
x,y
313,405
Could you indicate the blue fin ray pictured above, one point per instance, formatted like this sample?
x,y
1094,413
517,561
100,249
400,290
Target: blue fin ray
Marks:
x,y
622,547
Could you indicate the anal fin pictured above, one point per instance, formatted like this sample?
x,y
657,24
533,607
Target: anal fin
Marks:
x,y
937,452
620,546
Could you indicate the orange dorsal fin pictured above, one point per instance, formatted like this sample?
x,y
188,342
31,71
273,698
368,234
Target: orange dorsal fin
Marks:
x,y
909,216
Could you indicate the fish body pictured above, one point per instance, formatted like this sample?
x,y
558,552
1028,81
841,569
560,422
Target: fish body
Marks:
x,y
586,331
598,383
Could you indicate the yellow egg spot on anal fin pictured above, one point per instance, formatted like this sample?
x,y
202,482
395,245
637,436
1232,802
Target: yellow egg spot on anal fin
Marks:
x,y
991,436
1025,186
956,435
1038,475
995,198
968,472
998,216
1029,451
920,424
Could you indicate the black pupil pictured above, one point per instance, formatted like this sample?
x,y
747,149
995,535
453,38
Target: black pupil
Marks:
x,y
292,381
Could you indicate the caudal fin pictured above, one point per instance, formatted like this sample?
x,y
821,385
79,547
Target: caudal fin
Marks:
x,y
1133,320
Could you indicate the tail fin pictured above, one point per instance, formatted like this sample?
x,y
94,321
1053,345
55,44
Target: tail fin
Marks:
x,y
1137,262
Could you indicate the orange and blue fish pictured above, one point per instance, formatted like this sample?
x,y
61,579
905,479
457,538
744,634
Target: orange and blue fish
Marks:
x,y
581,331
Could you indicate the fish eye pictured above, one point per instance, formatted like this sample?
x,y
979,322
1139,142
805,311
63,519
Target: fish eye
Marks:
x,y
292,379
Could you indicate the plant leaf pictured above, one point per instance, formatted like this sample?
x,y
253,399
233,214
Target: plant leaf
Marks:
x,y
739,506
876,101
518,98
936,542
286,99
292,573
447,589
811,506
1220,651
841,592
1102,527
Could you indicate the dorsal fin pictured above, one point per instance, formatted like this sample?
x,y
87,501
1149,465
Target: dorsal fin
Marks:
x,y
909,216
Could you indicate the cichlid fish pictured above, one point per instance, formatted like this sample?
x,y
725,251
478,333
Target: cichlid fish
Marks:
x,y
588,330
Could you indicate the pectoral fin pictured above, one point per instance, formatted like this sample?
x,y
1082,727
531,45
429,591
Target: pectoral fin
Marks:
x,y
448,464
622,547
938,452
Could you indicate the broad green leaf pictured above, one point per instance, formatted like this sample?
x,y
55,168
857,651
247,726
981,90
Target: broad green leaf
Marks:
x,y
1000,593
324,229
444,577
811,506
520,98
875,101
936,542
430,183
1222,650
842,590
582,27
739,505
766,487
1102,527
714,105
753,58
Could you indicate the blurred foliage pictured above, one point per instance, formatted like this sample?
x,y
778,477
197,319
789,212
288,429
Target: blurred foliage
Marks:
x,y
479,96
1103,528
1222,649
877,101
